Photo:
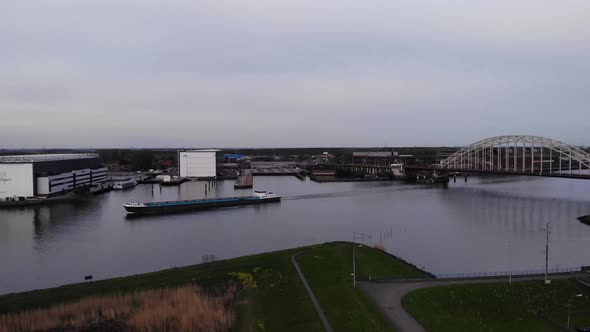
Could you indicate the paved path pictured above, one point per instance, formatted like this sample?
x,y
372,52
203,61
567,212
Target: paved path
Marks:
x,y
315,302
388,296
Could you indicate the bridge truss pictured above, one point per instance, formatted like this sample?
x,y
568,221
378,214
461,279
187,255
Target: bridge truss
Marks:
x,y
521,154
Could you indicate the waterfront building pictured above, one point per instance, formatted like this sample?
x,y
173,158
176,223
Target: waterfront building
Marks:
x,y
201,164
48,174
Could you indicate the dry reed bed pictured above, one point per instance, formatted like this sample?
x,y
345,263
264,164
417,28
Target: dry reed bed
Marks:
x,y
171,309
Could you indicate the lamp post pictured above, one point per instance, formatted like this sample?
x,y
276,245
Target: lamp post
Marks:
x,y
509,263
548,231
569,308
354,265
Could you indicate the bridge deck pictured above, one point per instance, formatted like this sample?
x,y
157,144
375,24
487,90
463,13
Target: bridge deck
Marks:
x,y
502,172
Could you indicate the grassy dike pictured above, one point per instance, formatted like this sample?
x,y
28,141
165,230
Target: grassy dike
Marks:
x,y
273,297
328,270
522,306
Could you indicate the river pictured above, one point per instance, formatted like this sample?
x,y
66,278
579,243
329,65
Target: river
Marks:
x,y
487,224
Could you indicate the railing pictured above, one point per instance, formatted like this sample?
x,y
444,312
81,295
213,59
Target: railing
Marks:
x,y
505,273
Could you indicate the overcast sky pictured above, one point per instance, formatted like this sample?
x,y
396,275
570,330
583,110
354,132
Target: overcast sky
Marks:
x,y
257,73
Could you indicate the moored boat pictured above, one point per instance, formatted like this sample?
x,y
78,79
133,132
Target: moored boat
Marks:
x,y
259,197
124,184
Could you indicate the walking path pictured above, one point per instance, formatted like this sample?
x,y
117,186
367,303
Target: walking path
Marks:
x,y
315,302
388,296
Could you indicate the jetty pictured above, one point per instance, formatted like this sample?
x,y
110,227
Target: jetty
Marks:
x,y
244,182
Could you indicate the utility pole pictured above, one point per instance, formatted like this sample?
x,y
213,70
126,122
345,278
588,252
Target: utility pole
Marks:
x,y
353,268
509,263
354,265
547,230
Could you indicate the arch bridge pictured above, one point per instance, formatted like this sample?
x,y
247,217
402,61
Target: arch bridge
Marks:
x,y
520,154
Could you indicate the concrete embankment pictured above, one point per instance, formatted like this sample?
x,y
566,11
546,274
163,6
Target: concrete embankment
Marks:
x,y
244,182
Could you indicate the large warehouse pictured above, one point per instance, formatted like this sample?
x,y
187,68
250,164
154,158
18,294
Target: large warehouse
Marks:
x,y
48,174
201,164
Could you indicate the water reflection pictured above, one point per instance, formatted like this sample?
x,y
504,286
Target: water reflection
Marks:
x,y
461,228
516,215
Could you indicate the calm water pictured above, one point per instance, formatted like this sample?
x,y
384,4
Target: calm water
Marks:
x,y
463,228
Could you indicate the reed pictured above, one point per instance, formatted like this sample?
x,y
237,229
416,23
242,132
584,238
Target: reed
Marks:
x,y
171,309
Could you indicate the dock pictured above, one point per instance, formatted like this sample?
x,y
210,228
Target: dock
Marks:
x,y
174,182
274,171
244,182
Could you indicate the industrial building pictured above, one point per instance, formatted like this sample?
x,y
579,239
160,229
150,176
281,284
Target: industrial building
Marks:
x,y
200,164
379,158
374,158
48,174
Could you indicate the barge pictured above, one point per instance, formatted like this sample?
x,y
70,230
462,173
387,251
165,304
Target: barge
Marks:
x,y
585,219
259,197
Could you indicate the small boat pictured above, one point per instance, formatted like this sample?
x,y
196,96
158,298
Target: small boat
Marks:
x,y
585,219
124,184
174,182
259,197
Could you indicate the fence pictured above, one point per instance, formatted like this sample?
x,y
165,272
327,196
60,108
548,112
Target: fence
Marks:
x,y
505,273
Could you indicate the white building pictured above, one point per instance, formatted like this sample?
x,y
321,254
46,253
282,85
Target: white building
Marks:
x,y
48,174
197,163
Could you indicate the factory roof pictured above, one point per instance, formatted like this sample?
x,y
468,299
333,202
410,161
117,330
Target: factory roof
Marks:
x,y
372,154
36,158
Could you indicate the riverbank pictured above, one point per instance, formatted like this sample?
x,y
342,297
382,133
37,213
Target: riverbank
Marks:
x,y
328,270
66,198
272,298
326,179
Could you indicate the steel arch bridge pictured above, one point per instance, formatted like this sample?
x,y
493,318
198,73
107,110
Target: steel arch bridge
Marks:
x,y
520,154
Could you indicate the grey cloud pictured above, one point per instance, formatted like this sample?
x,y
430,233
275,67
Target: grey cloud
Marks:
x,y
179,72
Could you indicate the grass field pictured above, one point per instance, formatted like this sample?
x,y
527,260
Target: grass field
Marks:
x,y
272,296
328,270
522,306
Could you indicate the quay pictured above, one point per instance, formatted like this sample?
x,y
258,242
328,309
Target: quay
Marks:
x,y
244,182
274,171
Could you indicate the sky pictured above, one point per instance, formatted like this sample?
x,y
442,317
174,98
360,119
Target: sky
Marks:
x,y
268,73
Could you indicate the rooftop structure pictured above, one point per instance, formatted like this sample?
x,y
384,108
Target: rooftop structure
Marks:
x,y
373,154
36,158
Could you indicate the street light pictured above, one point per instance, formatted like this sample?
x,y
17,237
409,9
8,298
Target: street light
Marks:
x,y
509,263
569,308
354,265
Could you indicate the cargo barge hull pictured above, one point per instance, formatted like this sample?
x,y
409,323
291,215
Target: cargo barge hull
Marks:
x,y
195,205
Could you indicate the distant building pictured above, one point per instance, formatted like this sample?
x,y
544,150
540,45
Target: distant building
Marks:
x,y
48,174
197,163
232,157
274,164
373,158
324,158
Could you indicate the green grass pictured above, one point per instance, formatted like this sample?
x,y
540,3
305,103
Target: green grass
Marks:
x,y
375,264
328,270
275,299
277,303
522,306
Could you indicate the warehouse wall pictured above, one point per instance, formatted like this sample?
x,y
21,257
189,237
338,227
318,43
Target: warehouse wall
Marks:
x,y
16,180
197,164
47,185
